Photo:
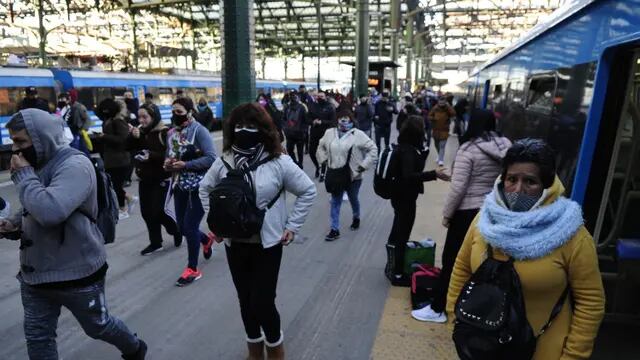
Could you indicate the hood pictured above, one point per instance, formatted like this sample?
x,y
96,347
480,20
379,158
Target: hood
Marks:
x,y
46,132
496,146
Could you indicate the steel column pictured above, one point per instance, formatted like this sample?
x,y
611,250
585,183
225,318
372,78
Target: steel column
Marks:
x,y
395,33
362,49
238,53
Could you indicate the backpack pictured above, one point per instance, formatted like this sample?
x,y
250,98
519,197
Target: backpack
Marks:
x,y
384,179
107,200
292,126
491,321
233,211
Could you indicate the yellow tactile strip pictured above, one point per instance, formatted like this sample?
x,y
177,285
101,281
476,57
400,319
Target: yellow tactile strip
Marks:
x,y
400,337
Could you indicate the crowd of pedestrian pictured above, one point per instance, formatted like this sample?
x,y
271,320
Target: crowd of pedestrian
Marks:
x,y
511,234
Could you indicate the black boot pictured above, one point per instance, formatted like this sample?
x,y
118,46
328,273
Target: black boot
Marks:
x,y
138,355
356,224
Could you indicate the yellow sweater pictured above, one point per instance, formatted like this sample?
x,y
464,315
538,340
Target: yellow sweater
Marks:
x,y
573,331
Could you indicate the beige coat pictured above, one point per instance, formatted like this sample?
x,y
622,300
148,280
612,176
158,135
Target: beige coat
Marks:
x,y
335,149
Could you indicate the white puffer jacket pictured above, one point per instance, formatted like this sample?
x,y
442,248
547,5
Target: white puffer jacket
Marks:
x,y
335,149
269,179
476,168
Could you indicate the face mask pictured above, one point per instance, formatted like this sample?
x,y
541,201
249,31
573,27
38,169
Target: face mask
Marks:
x,y
29,154
263,102
321,101
202,107
520,202
179,120
246,138
345,124
62,104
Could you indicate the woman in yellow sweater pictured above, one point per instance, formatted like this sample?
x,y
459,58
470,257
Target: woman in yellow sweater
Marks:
x,y
527,218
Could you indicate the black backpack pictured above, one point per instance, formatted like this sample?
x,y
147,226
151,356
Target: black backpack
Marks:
x,y
233,211
385,177
491,321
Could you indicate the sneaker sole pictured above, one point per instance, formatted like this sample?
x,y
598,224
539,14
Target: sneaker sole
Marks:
x,y
187,284
429,320
331,239
154,251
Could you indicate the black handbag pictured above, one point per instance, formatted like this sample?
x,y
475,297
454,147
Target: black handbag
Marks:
x,y
338,180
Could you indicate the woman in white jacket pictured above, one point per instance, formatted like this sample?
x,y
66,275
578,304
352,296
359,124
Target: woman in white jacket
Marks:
x,y
334,148
249,137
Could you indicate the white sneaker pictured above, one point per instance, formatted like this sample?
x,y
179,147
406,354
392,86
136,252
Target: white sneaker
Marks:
x,y
426,314
131,205
440,163
123,215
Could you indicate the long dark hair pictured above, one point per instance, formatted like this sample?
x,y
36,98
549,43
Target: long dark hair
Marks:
x,y
481,123
412,131
255,114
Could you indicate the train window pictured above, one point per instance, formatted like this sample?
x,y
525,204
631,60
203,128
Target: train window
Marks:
x,y
11,98
541,92
87,97
214,94
161,96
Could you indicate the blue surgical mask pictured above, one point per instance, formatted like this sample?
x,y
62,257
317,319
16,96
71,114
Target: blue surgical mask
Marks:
x,y
345,124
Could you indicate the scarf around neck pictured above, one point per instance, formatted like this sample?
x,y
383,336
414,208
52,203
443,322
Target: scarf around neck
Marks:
x,y
244,158
531,234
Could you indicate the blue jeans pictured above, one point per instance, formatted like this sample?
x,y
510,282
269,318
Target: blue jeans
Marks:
x,y
440,146
336,203
189,214
88,306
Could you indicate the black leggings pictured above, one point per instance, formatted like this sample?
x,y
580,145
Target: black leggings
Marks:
x,y
152,199
458,227
255,274
296,144
118,177
404,210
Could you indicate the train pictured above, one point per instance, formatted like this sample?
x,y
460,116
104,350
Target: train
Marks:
x,y
574,81
94,86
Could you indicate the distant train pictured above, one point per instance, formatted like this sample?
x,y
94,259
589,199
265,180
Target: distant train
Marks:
x,y
94,86
574,80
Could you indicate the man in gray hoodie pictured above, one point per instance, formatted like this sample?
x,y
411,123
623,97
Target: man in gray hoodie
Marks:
x,y
62,254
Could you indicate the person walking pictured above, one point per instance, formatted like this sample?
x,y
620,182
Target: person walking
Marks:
x,y
205,114
440,117
526,218
58,191
409,109
346,146
190,153
33,101
251,138
295,127
365,113
384,111
117,160
76,117
476,168
276,115
323,116
412,156
150,143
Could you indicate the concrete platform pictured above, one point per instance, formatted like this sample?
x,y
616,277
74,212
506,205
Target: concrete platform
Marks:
x,y
334,300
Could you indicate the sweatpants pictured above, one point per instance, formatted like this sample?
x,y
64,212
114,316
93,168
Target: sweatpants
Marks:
x,y
189,214
118,177
296,144
152,199
254,271
458,227
404,216
88,306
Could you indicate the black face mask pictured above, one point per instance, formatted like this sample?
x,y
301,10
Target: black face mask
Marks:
x,y
29,154
246,139
179,120
62,104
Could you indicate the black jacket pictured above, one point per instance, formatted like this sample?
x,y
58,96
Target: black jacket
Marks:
x,y
295,123
115,139
156,142
384,113
205,118
412,174
37,103
364,116
404,115
325,113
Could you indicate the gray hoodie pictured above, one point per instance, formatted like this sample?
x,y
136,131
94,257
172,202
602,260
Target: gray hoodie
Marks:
x,y
63,181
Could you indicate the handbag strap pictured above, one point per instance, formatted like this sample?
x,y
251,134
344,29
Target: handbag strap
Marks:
x,y
556,310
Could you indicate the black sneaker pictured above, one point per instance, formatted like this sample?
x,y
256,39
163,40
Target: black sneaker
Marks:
x,y
138,355
321,178
151,249
356,224
177,240
333,235
317,173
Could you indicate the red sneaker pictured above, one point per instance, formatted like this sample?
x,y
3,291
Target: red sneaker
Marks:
x,y
188,276
207,251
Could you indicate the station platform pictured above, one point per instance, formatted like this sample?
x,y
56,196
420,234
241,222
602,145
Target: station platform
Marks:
x,y
334,300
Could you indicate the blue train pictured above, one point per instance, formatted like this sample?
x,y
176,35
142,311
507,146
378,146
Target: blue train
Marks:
x,y
94,86
574,81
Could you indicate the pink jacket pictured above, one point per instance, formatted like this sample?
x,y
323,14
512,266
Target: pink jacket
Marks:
x,y
475,170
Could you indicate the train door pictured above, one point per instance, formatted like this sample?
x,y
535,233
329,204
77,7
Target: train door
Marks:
x,y
485,94
620,203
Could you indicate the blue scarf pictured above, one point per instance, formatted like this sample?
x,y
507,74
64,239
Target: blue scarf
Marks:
x,y
531,234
